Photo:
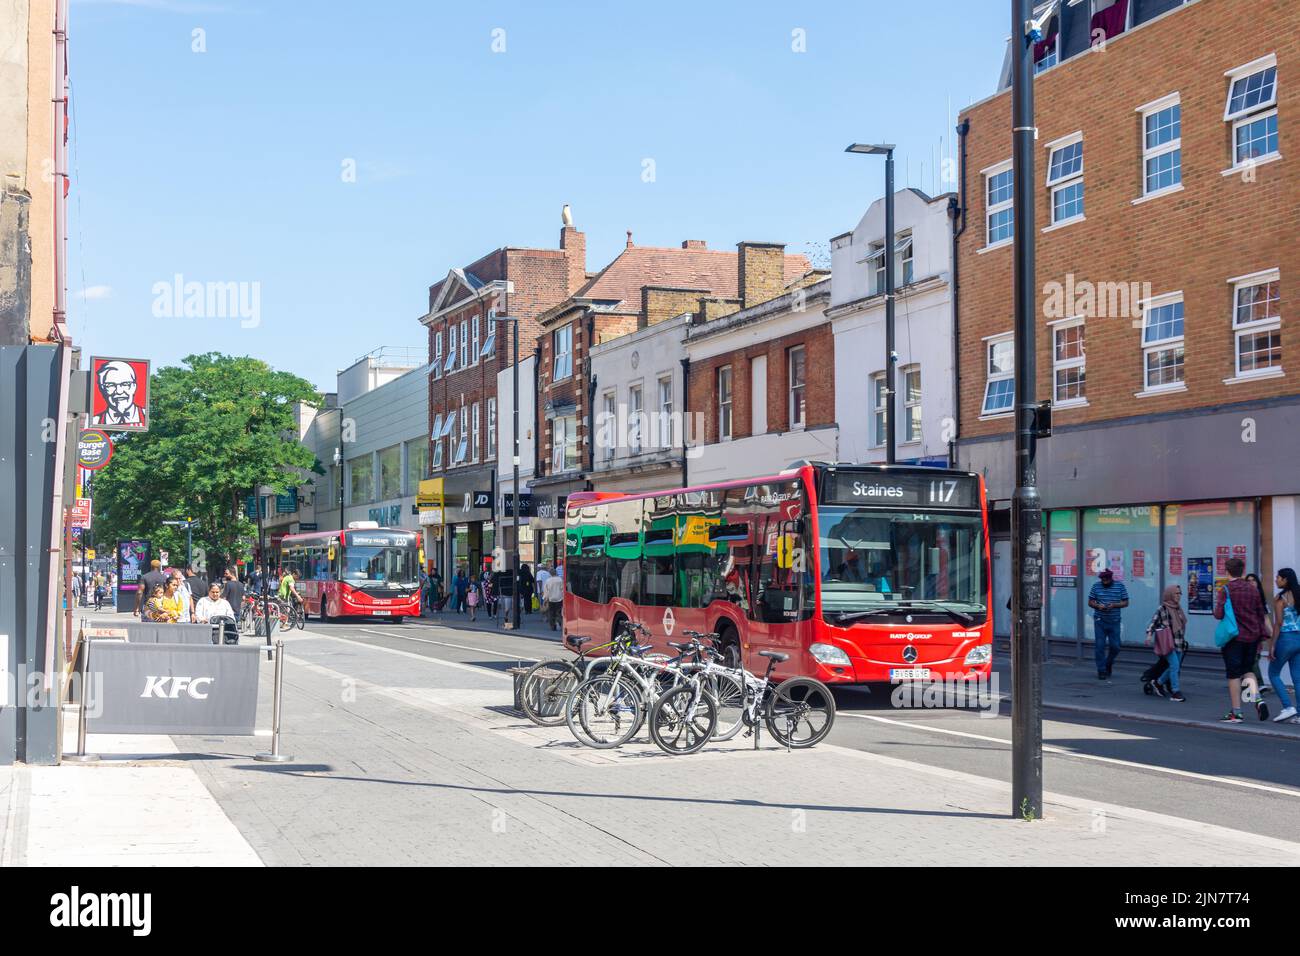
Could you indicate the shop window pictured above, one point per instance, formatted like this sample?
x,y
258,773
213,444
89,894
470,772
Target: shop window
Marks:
x,y
1063,575
1126,540
1199,540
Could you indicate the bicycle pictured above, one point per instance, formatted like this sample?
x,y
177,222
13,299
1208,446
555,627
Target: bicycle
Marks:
x,y
548,683
607,710
783,707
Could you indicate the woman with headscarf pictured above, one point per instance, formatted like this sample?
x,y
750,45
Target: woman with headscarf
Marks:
x,y
1168,630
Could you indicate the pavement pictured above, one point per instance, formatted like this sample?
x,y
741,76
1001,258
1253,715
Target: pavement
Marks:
x,y
406,752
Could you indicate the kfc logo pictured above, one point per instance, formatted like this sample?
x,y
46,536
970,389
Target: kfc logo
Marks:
x,y
120,394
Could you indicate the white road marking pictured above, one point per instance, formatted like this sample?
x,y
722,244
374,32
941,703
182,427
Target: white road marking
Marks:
x,y
484,671
462,647
1047,748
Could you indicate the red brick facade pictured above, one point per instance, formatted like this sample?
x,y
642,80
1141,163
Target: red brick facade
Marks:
x,y
1192,240
538,278
819,389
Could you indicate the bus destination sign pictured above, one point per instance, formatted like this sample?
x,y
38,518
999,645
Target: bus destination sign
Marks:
x,y
901,490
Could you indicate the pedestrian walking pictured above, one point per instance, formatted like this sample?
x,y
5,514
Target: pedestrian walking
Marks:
x,y
1253,578
526,587
1168,633
472,597
1240,613
553,596
196,582
539,579
461,587
1286,645
232,589
1107,598
76,589
489,592
153,578
101,589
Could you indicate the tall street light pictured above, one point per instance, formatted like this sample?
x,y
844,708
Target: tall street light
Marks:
x,y
1032,422
514,459
891,357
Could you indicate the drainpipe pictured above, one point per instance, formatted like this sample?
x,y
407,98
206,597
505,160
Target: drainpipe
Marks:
x,y
686,391
957,209
591,394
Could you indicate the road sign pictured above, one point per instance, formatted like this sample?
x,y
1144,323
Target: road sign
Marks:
x,y
94,449
90,554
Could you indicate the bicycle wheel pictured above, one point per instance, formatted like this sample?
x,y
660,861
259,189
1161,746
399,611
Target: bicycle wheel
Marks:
x,y
546,688
728,692
300,617
683,719
604,712
799,712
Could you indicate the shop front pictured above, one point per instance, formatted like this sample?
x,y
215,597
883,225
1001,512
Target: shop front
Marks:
x,y
429,513
1147,547
548,519
469,530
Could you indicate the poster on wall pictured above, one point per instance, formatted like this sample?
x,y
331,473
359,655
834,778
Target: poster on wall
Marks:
x,y
1200,585
1139,564
1175,560
1221,555
1117,564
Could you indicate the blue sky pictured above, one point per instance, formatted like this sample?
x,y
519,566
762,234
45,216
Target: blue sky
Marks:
x,y
228,165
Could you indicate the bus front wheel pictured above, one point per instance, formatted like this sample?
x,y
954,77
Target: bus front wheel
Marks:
x,y
730,645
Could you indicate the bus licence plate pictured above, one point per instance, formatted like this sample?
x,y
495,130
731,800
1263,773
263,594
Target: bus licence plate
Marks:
x,y
379,613
909,673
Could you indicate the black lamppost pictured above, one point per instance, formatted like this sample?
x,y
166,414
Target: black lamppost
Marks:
x,y
1032,423
891,358
514,461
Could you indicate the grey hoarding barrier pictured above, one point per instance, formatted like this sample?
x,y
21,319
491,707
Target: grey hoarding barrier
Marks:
x,y
146,633
147,688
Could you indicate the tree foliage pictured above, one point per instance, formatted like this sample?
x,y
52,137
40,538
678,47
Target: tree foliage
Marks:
x,y
220,425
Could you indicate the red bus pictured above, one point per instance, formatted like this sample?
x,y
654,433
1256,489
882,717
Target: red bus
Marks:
x,y
362,572
861,573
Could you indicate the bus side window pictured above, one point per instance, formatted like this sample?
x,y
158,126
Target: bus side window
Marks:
x,y
623,567
657,565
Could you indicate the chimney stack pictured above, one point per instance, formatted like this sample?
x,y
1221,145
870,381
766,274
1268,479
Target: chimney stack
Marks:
x,y
761,272
694,244
574,245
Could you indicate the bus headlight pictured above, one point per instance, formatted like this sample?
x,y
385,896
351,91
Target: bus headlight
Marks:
x,y
829,654
980,655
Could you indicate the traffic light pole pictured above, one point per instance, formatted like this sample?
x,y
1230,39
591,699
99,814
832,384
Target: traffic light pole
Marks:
x,y
1026,508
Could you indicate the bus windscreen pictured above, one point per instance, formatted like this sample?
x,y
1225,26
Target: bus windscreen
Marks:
x,y
371,564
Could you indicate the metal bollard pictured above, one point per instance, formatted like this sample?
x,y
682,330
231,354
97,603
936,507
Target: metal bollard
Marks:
x,y
81,756
275,756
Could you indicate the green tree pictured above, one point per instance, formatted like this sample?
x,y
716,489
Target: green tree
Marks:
x,y
220,425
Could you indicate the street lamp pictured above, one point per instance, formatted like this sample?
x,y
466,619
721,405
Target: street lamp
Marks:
x,y
514,493
886,150
338,463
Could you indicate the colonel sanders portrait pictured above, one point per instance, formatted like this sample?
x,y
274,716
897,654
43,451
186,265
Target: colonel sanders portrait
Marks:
x,y
117,384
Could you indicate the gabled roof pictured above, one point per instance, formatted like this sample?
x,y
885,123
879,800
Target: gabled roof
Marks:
x,y
710,270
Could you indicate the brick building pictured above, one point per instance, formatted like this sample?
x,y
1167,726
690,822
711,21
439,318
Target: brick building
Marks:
x,y
762,378
1166,214
466,352
642,287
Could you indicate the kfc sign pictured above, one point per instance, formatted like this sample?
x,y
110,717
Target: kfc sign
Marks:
x,y
119,394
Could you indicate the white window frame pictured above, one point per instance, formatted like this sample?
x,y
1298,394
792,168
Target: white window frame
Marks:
x,y
557,445
491,428
475,344
792,388
464,343
990,343
1163,345
1150,153
911,405
474,434
1054,57
877,260
462,445
992,209
907,258
635,418
437,354
877,397
726,402
1060,365
562,370
451,348
1066,181
489,340
666,411
609,434
436,435
1251,114
1255,326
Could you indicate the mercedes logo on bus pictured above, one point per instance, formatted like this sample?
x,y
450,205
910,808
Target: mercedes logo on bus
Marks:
x,y
909,654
